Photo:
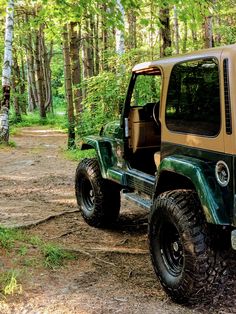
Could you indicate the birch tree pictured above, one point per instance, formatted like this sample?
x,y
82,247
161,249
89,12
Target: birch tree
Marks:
x,y
6,73
120,41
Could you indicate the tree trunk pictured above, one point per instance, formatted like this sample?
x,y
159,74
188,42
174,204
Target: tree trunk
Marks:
x,y
176,30
75,38
46,71
120,41
194,38
96,47
22,87
208,32
91,45
32,89
39,74
68,89
87,56
31,73
165,33
104,37
218,34
6,73
22,78
16,82
185,37
151,30
132,37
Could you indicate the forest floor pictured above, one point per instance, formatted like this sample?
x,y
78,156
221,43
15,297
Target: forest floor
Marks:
x,y
111,273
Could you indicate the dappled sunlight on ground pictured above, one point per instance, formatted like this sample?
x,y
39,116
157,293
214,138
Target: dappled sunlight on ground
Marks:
x,y
112,272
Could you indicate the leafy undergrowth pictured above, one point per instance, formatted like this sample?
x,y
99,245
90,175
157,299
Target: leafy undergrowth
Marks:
x,y
55,120
10,144
21,252
77,154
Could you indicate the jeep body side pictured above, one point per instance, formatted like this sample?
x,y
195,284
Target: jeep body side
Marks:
x,y
173,151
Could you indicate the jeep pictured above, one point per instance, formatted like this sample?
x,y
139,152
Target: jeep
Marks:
x,y
174,152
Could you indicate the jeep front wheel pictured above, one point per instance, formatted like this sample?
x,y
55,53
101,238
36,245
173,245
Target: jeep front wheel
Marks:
x,y
183,257
98,199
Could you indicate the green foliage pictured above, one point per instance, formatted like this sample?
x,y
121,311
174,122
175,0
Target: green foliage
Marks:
x,y
103,95
19,251
58,77
53,120
35,241
31,262
104,99
9,236
9,282
11,144
22,250
55,256
77,154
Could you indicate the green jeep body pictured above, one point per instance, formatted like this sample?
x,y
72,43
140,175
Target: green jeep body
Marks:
x,y
161,145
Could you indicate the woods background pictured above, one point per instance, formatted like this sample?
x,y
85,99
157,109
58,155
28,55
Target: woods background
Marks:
x,y
73,58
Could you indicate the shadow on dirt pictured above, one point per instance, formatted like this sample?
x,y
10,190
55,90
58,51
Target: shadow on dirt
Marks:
x,y
222,302
132,223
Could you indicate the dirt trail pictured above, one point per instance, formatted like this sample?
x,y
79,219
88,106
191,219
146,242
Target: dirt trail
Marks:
x,y
35,180
112,272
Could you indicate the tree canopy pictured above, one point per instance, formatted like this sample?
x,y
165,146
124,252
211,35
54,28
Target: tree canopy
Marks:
x,y
76,56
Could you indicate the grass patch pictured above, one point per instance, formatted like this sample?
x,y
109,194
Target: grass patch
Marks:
x,y
9,282
8,237
35,241
10,144
22,251
55,120
76,154
54,256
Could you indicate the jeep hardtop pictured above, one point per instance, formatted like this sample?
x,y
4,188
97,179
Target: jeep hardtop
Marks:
x,y
174,152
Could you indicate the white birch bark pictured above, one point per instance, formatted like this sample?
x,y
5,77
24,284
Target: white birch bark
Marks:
x,y
6,72
7,63
120,40
4,125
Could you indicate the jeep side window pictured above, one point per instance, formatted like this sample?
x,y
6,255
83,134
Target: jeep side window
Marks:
x,y
193,98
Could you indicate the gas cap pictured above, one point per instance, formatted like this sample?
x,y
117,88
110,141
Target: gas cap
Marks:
x,y
222,173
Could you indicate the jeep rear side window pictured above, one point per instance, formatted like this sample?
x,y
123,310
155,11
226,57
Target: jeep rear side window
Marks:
x,y
193,98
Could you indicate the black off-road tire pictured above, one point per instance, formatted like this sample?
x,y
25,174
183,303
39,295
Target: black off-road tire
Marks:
x,y
98,199
184,255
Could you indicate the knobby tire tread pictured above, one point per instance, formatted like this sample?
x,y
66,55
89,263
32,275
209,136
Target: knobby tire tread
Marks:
x,y
107,194
205,270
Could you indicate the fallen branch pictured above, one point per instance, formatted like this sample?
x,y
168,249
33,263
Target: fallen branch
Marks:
x,y
90,255
114,250
38,222
106,250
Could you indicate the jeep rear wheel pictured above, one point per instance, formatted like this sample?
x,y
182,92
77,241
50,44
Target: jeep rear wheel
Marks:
x,y
188,267
98,199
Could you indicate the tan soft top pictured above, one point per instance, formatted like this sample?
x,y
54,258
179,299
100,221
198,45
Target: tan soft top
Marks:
x,y
141,67
220,143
